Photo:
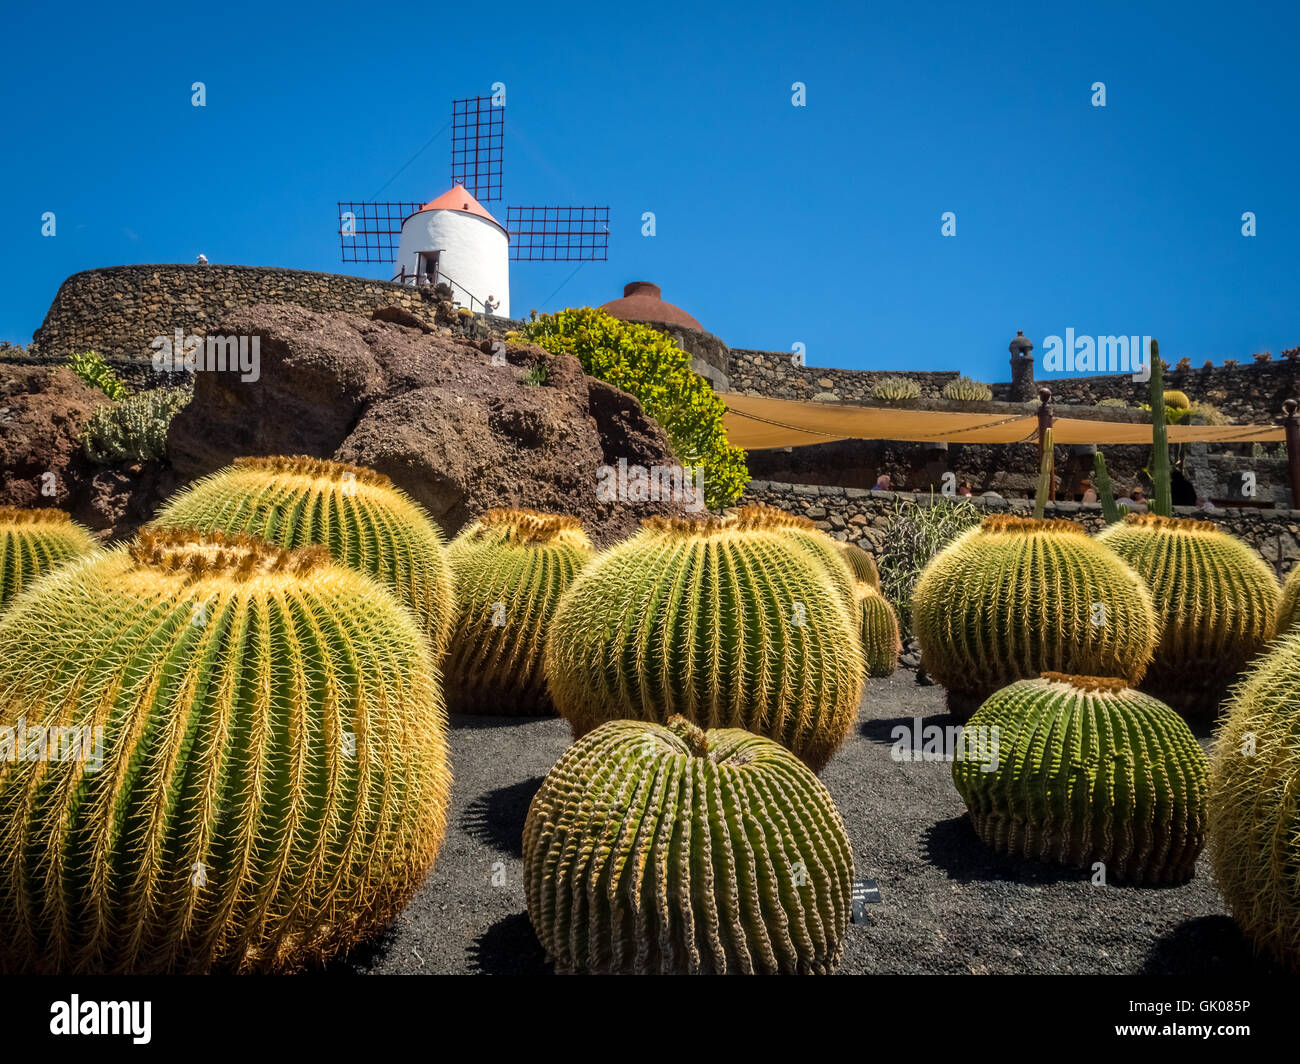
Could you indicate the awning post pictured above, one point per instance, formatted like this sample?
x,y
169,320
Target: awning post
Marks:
x,y
1044,425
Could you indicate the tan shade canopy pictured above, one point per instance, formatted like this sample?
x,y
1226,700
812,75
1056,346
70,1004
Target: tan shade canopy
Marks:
x,y
754,424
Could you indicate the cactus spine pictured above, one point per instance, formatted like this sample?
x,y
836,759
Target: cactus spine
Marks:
x,y
654,849
1255,803
510,568
1288,611
1082,769
1016,597
878,624
725,625
1162,501
1105,493
1215,599
270,784
365,521
33,542
861,564
800,530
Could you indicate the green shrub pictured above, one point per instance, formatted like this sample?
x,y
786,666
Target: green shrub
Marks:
x,y
647,363
91,368
966,389
913,536
135,429
1208,413
891,389
1112,402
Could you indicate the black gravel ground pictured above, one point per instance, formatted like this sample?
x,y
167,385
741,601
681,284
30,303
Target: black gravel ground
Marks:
x,y
947,905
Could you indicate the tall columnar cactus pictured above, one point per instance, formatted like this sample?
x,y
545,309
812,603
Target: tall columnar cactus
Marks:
x,y
32,542
1105,493
510,568
861,564
801,530
1082,770
1044,476
1162,502
1215,598
653,849
358,514
252,769
1017,597
728,626
1255,803
878,625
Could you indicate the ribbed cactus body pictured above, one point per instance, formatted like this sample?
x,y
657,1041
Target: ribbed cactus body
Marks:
x,y
365,521
800,530
1083,770
1255,803
878,625
861,564
653,849
510,569
33,542
1215,599
1288,610
730,627
270,784
1017,597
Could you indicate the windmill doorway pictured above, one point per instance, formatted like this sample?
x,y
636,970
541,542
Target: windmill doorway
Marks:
x,y
428,268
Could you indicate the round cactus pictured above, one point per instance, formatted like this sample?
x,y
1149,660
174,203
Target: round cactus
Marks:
x,y
1215,600
861,564
33,542
727,853
801,530
365,521
892,389
1254,803
251,768
728,626
510,568
967,390
1288,610
878,624
1082,770
1015,597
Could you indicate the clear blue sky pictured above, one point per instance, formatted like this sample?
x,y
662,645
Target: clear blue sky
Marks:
x,y
776,224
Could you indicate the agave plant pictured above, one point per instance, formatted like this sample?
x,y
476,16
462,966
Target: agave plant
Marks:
x,y
894,389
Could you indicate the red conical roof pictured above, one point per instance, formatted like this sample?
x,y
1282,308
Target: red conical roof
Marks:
x,y
642,302
458,198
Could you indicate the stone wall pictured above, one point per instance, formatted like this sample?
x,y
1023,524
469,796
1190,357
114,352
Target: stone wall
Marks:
x,y
861,516
118,311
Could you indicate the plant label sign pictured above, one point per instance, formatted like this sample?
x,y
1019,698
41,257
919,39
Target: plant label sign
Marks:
x,y
865,892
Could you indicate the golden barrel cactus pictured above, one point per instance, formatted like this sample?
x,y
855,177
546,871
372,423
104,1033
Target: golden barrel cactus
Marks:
x,y
729,626
1085,770
510,568
861,564
802,531
1215,599
1255,803
225,756
671,850
878,625
33,542
365,521
1016,597
1288,610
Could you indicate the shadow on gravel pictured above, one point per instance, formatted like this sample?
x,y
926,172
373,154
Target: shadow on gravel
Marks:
x,y
497,817
882,731
481,721
362,958
953,847
1208,945
509,947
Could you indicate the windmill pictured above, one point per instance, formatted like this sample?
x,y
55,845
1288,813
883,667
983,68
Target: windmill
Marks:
x,y
454,240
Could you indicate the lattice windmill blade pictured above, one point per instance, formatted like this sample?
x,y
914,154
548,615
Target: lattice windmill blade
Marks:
x,y
477,146
558,234
371,231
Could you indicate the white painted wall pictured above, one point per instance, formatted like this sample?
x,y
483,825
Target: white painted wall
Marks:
x,y
475,254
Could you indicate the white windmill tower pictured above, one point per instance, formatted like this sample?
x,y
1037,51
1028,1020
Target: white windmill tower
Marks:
x,y
454,240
